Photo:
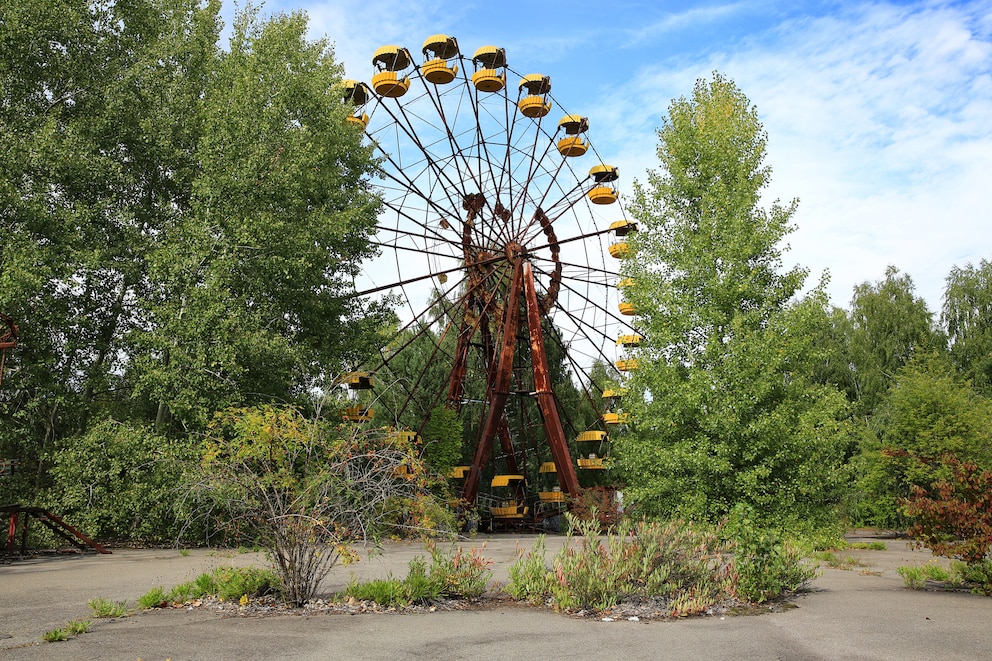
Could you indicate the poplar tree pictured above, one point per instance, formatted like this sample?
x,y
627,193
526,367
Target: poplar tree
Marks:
x,y
725,408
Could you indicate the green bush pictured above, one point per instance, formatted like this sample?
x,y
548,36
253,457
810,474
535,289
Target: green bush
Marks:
x,y
673,561
765,564
530,578
977,574
76,627
915,577
119,481
55,635
232,583
454,574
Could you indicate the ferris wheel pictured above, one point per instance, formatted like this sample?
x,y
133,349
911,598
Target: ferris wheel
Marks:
x,y
500,238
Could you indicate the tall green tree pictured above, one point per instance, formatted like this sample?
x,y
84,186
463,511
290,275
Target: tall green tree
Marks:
x,y
967,318
726,410
180,223
250,281
889,324
98,111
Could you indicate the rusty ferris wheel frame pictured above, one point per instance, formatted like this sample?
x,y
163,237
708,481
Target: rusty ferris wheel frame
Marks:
x,y
494,221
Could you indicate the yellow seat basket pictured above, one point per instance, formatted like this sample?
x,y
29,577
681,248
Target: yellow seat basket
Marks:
x,y
438,72
359,381
627,365
620,250
405,436
548,467
603,195
623,227
385,83
629,340
516,511
505,480
358,414
572,146
459,472
627,309
488,80
593,464
591,436
616,418
534,106
553,496
611,393
358,121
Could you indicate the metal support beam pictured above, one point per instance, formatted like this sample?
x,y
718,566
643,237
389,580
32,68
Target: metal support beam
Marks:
x,y
545,395
496,414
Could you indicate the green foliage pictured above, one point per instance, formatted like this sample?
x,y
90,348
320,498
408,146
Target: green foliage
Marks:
x,y
927,413
227,583
766,565
673,561
120,480
967,317
304,489
154,598
232,583
442,440
106,608
889,325
915,577
530,577
453,574
726,405
978,575
55,635
181,222
460,574
870,546
185,592
76,627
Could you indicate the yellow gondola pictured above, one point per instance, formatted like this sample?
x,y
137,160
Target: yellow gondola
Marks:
x,y
356,93
627,365
390,60
627,309
492,76
359,381
572,144
535,104
616,418
629,340
623,227
438,49
510,507
459,472
614,393
556,495
620,250
358,414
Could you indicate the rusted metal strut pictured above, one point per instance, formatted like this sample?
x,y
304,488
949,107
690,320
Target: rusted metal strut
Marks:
x,y
522,286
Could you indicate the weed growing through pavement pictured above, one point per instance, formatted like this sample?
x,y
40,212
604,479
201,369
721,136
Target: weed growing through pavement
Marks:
x,y
106,608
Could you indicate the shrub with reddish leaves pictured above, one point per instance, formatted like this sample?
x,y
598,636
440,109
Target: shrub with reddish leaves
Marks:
x,y
953,518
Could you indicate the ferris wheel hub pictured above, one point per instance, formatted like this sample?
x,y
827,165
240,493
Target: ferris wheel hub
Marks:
x,y
515,252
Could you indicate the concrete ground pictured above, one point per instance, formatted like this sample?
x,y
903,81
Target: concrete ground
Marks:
x,y
859,613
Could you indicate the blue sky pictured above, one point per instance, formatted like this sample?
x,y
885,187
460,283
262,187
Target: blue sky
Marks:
x,y
879,114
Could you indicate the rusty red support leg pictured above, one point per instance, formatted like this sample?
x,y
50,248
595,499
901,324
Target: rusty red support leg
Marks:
x,y
545,395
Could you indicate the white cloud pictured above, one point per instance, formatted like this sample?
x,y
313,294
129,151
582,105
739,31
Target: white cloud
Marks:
x,y
878,119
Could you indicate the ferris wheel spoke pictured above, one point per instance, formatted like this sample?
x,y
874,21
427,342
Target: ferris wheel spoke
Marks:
x,y
599,306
